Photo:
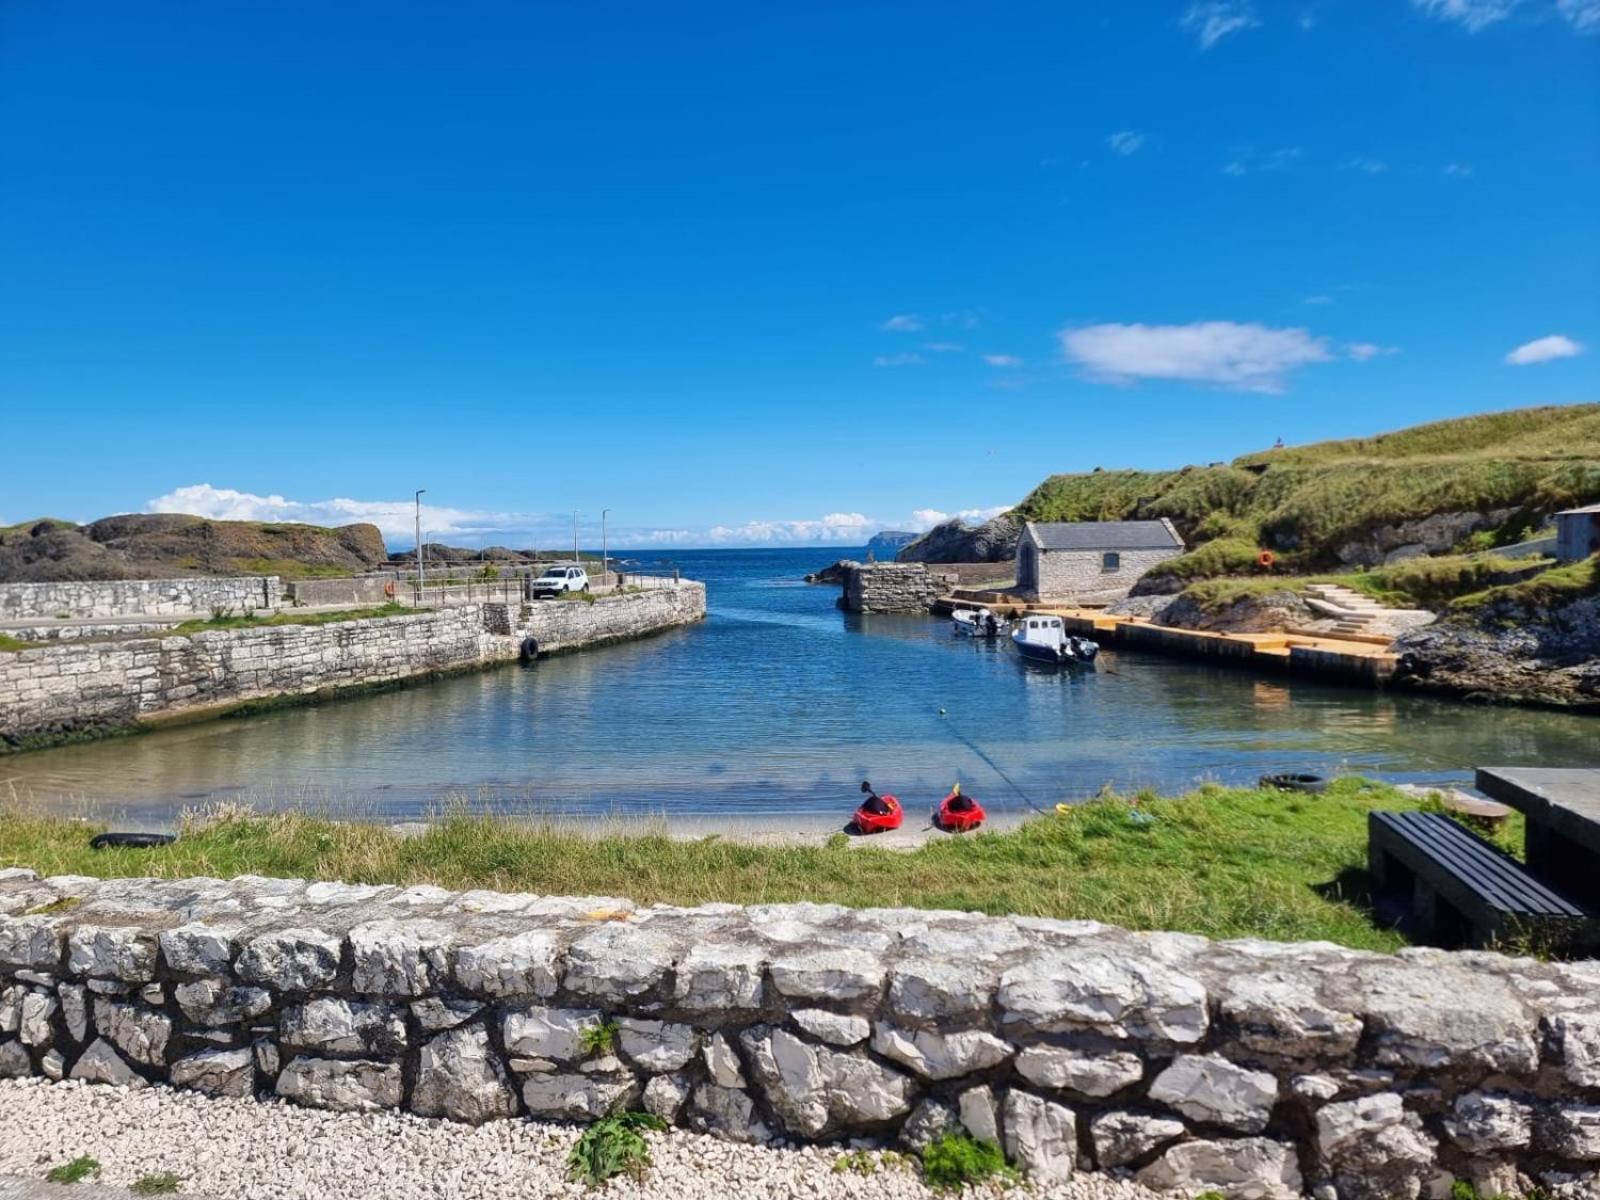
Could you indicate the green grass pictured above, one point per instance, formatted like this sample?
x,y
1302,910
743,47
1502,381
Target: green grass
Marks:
x,y
1218,862
11,643
289,568
954,1160
75,1171
1304,502
162,1183
250,621
1555,587
598,1039
613,1146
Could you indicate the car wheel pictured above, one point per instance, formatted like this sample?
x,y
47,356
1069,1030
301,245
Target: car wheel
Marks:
x,y
586,587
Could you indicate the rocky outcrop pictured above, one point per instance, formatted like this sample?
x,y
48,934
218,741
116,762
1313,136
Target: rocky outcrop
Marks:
x,y
1256,1069
887,544
957,542
1510,653
1268,612
169,545
1437,533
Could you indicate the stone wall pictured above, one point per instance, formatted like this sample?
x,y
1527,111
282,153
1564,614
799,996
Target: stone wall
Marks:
x,y
1262,1070
137,597
1078,576
84,688
887,587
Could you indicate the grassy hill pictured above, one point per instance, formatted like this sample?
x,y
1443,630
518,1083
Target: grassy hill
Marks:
x,y
167,545
1321,506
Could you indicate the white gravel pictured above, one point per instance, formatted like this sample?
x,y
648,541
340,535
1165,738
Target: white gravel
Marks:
x,y
248,1149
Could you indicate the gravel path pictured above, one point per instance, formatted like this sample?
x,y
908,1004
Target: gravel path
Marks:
x,y
246,1149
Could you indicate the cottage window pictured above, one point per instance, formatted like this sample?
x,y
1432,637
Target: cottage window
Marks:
x,y
1111,561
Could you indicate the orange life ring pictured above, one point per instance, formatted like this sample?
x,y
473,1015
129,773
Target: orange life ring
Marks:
x,y
1265,559
388,589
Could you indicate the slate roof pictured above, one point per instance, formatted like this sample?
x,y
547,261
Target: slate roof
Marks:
x,y
1105,535
1572,512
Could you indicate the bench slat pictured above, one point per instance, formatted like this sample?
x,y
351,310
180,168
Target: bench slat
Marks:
x,y
1490,875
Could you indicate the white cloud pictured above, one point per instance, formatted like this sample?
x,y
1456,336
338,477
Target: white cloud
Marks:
x,y
1367,351
943,347
898,360
1248,356
903,323
1125,142
924,519
1462,170
1247,160
1584,15
1545,349
395,518
851,528
1213,20
1002,360
1369,166
1472,14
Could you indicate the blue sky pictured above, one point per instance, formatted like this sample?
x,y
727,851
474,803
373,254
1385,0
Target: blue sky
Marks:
x,y
760,273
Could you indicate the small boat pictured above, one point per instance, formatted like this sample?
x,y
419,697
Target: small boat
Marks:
x,y
882,818
1045,639
978,623
957,813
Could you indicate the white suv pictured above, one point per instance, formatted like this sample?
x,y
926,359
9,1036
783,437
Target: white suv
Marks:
x,y
561,579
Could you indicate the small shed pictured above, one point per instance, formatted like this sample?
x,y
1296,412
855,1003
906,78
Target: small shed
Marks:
x,y
1578,533
1090,562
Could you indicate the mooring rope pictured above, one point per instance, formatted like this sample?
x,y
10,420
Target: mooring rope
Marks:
x,y
993,766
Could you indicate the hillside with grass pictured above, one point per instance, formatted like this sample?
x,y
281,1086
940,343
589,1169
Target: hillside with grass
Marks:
x,y
1466,484
170,545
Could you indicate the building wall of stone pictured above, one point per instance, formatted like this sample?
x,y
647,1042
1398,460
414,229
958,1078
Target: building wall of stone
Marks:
x,y
138,597
888,587
83,688
1077,576
1259,1069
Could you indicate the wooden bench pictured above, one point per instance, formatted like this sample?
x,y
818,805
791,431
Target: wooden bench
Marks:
x,y
1463,889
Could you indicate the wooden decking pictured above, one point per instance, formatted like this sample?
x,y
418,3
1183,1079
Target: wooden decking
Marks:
x,y
1363,659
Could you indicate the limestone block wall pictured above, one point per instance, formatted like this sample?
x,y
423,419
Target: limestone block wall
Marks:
x,y
1265,1071
887,587
1077,576
138,597
82,688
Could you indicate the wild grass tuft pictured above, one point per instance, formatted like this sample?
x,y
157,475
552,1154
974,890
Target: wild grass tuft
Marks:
x,y
599,1039
954,1160
163,1183
613,1146
75,1171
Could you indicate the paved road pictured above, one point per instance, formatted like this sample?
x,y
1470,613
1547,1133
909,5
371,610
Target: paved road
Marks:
x,y
13,1188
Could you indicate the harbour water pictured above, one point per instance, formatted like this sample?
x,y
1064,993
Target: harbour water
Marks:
x,y
777,706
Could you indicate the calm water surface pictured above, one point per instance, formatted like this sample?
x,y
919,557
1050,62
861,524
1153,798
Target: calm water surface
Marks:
x,y
779,704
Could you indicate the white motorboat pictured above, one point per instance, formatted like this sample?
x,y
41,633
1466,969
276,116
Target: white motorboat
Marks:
x,y
1045,639
978,623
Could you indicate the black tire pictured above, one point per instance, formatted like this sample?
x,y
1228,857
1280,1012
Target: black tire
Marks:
x,y
1310,785
586,587
134,841
529,650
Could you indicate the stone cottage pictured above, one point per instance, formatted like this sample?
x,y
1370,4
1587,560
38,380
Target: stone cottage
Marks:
x,y
1578,533
1090,562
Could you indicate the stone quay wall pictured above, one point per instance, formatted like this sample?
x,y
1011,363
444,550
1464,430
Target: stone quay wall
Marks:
x,y
77,689
137,597
887,587
1264,1071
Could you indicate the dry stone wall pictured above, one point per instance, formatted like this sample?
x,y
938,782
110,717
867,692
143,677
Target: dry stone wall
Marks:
x,y
887,587
138,597
1264,1071
81,688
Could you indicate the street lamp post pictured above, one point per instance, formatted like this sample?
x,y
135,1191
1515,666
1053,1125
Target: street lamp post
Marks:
x,y
604,513
420,581
575,558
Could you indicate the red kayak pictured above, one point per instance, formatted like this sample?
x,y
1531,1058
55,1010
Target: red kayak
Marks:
x,y
958,813
870,821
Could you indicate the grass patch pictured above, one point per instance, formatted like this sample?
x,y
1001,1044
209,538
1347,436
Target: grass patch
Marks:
x,y
251,621
288,568
1218,862
11,644
611,1147
162,1183
869,1162
75,1171
598,1039
954,1160
1555,587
